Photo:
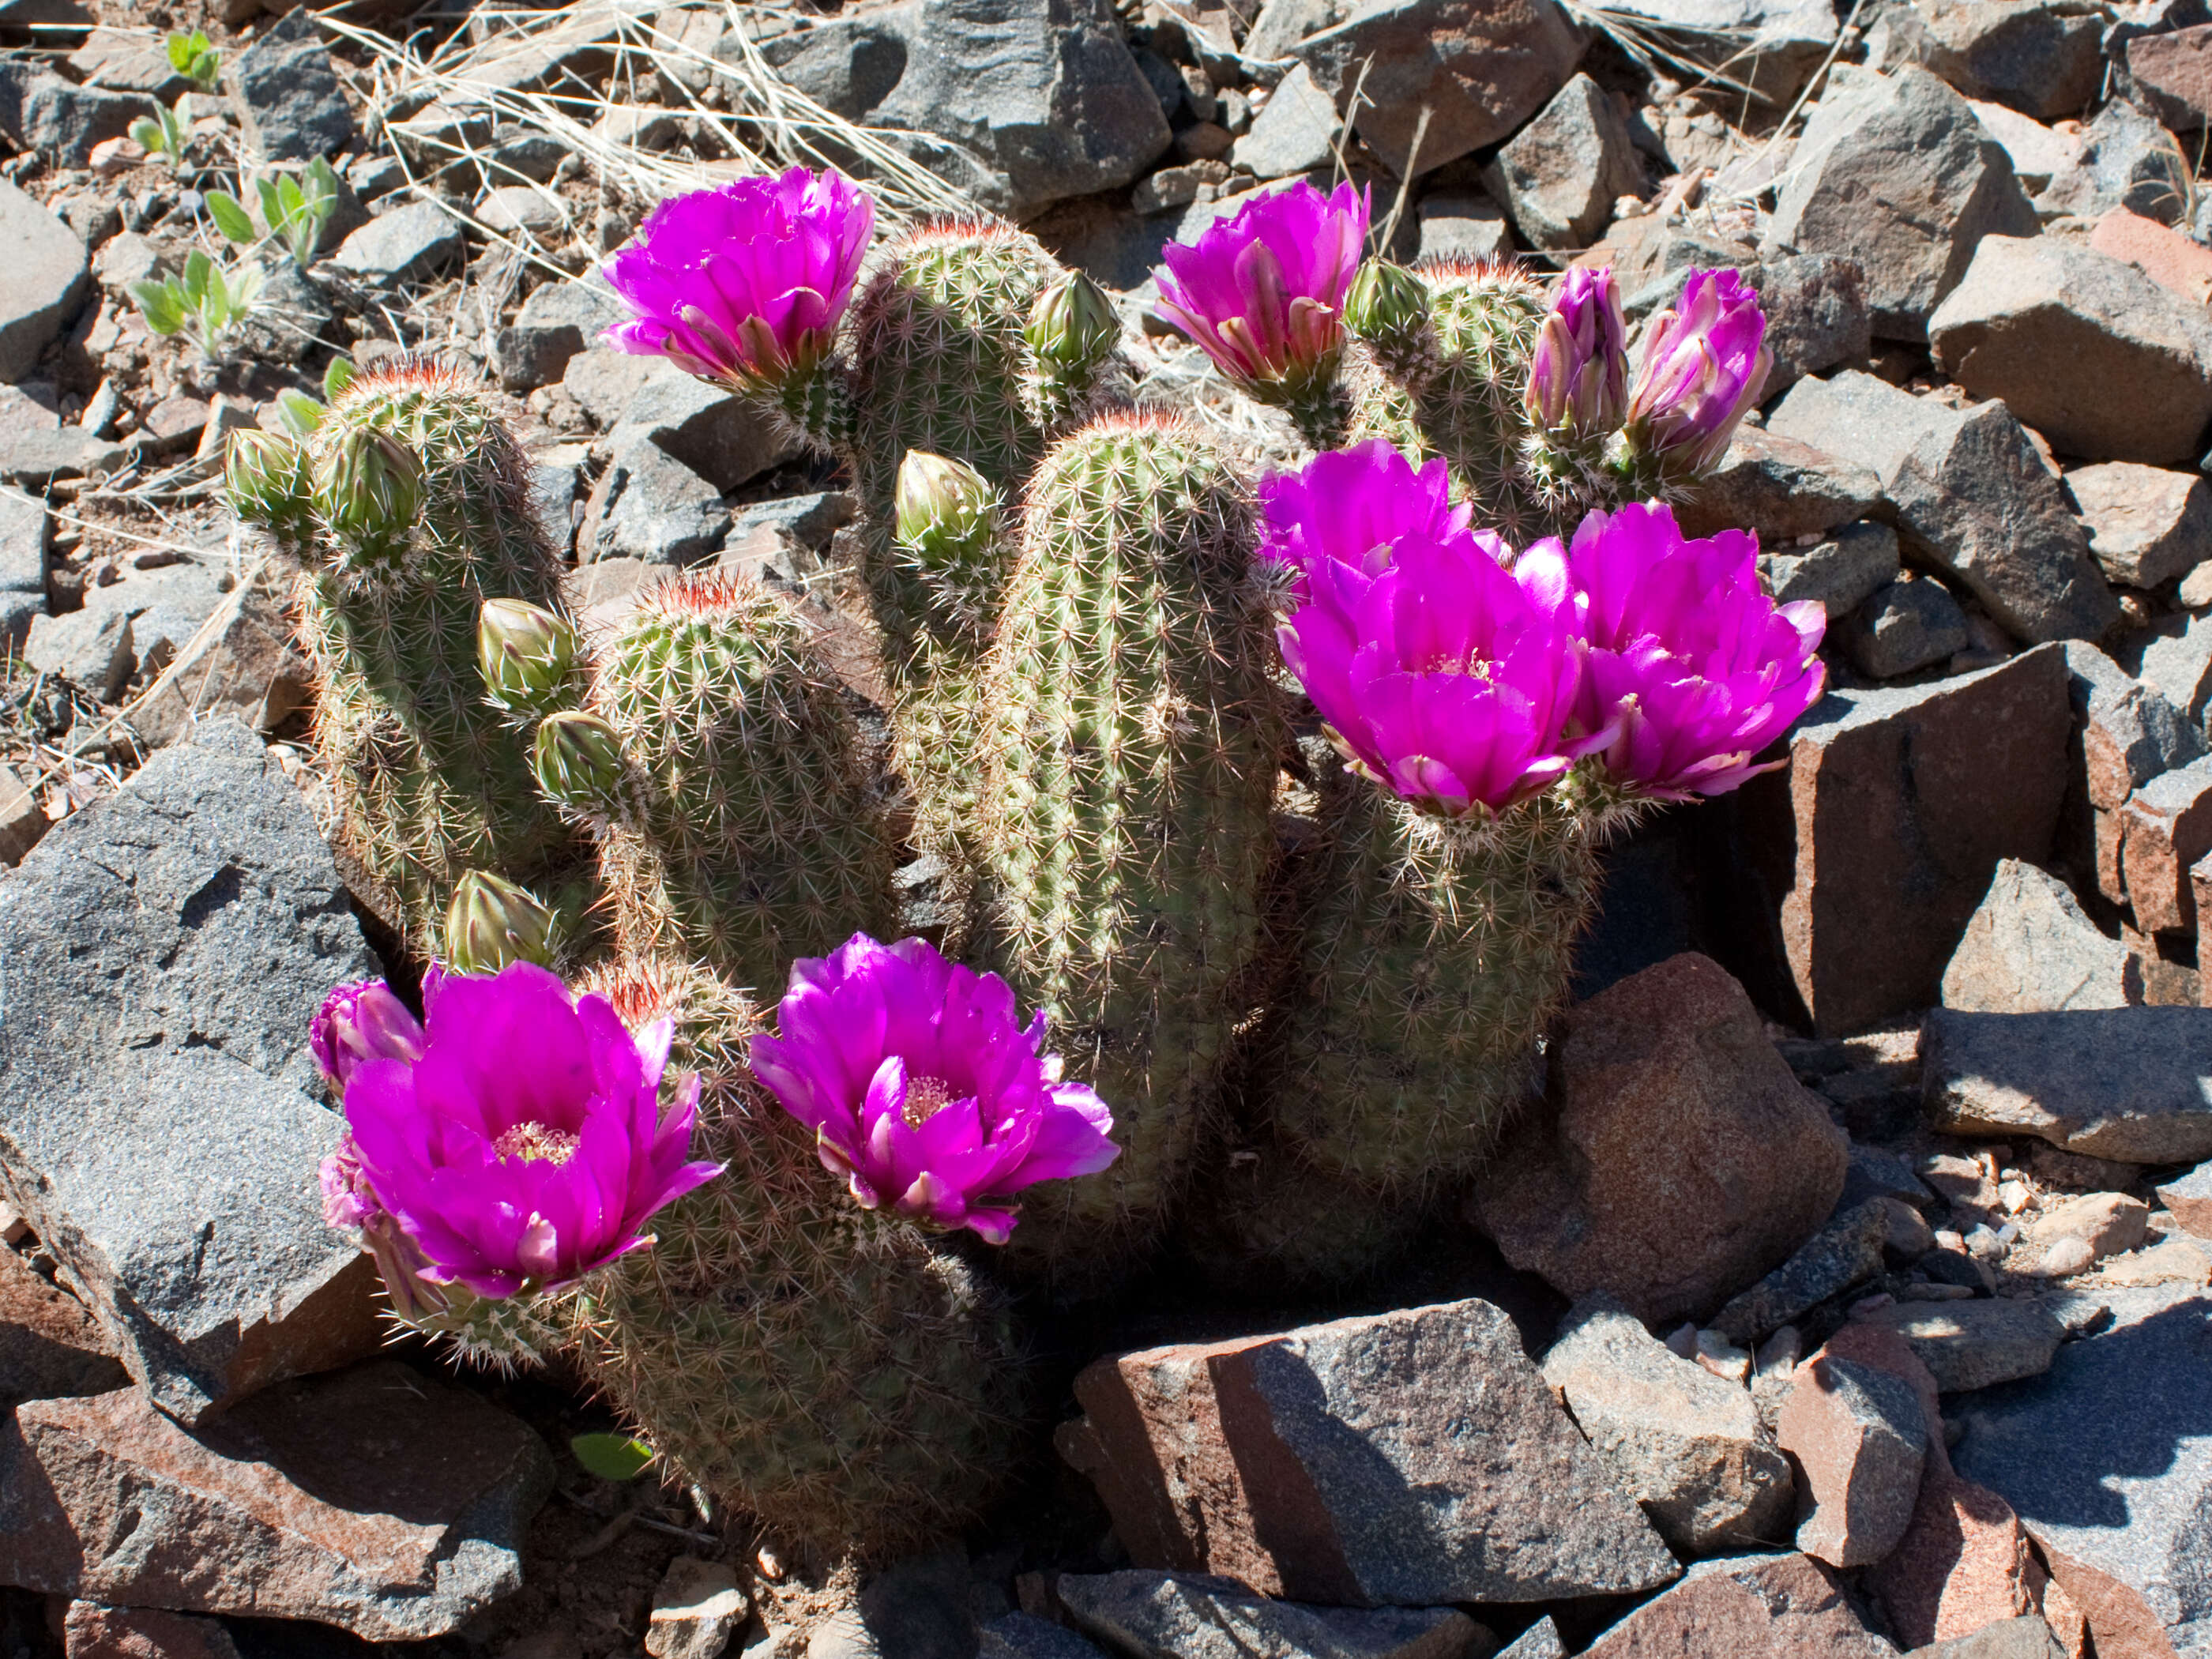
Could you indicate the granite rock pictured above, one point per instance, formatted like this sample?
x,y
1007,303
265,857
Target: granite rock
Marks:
x,y
1748,1606
2127,161
1974,1345
49,1345
1779,488
2041,60
1161,1615
1817,315
1842,572
2147,524
286,93
1024,1636
48,274
2170,72
2025,1637
2030,949
1860,1442
2165,828
1560,175
1848,1250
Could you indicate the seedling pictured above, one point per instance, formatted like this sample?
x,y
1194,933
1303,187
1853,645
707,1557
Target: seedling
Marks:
x,y
202,304
193,56
295,211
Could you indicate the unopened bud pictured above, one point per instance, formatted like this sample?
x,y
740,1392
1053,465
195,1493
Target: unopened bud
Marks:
x,y
265,479
946,511
578,760
1387,305
492,923
528,656
368,490
1073,325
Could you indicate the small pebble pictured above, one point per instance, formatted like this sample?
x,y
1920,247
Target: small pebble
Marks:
x,y
1723,1358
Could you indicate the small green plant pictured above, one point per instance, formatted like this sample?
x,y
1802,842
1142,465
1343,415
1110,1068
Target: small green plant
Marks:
x,y
610,1457
202,304
294,210
161,133
193,56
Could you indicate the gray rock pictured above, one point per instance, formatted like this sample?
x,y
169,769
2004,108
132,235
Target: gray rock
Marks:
x,y
1778,43
698,1607
1973,497
558,321
520,155
294,316
91,648
2165,73
849,65
2131,732
26,534
1462,226
1911,624
1818,317
1896,173
34,455
1472,69
2039,154
2025,1637
409,242
2177,662
2107,1459
1974,1345
2107,363
251,671
166,607
286,93
603,380
1280,25
164,953
19,613
1165,1615
61,120
1023,1635
1685,1443
1844,1253
1841,572
709,430
2127,161
2147,524
1875,1173
123,61
2133,1085
1780,488
1748,1606
1296,132
2042,59
647,505
522,209
2030,950
1560,175
47,276
1539,1641
1861,1439
1651,266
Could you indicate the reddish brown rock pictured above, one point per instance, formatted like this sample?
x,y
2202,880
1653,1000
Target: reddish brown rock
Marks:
x,y
1680,1159
374,1499
49,1344
2165,255
1963,1563
2173,74
93,1632
2189,1199
2165,828
1861,1440
1778,1607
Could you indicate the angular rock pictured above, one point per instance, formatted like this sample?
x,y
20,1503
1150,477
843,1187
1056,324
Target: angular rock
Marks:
x,y
2037,152
49,1346
1157,1615
60,121
166,607
1964,1562
22,821
2189,1198
1455,225
647,505
2107,1224
2030,950
1905,627
1896,173
2083,347
1972,495
1817,315
1680,1160
1561,174
1868,854
251,671
286,93
1845,1252
2173,75
1974,1345
698,1608
1539,1641
1748,1606
2132,1084
1022,1636
1407,1459
522,209
399,247
2147,524
2026,1638
2165,828
1842,572
123,61
2041,60
1683,1443
2175,263
93,1632
47,276
2130,734
1477,68
2127,161
91,648
161,954
377,1499
707,428
1296,132
1781,488
1860,1442
558,321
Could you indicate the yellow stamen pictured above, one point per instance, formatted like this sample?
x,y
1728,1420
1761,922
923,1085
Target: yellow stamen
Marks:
x,y
537,1143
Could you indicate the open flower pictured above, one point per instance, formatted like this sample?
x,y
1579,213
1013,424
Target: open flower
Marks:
x,y
522,1145
924,1089
1352,505
744,284
1578,372
1263,292
1705,364
1691,669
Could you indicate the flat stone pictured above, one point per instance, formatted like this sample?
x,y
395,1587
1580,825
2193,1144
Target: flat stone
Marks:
x,y
2127,161
2147,524
1479,68
1748,1606
522,209
1780,488
2041,60
1860,1442
698,1608
556,322
1842,572
251,671
2025,1637
1818,316
1407,1458
2030,950
49,1345
61,121
707,428
649,506
35,456
1848,1250
2171,75
1560,174
1455,225
849,65
1974,1345
2176,263
92,1632
1896,173
90,648
2038,153
2107,1457
2132,1084
409,242
1680,1158
47,276
122,60
286,93
1918,792
161,955
1973,497
1160,1615
2189,1198
603,380
1909,625
1296,132
2107,1224
2165,828
1023,1635
166,606
377,1499
1683,1444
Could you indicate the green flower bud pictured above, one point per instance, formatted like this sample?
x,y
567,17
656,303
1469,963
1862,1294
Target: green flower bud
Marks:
x,y
1387,305
491,923
368,490
265,477
528,656
1072,325
578,760
946,511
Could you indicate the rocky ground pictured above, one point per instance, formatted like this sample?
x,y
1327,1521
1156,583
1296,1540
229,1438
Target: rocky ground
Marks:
x,y
1847,1296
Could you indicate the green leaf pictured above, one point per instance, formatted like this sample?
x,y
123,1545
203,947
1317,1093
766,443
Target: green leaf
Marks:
x,y
610,1457
147,134
241,291
272,203
199,274
337,378
173,132
161,304
297,412
205,70
320,184
230,216
183,48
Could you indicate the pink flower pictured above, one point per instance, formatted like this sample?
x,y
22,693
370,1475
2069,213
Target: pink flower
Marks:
x,y
1351,505
523,1146
744,284
1578,373
922,1087
361,1020
1704,364
1263,292
1692,670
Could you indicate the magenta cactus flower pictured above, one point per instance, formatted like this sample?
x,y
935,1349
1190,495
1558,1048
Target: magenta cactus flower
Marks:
x,y
1691,668
523,1145
1578,372
1354,505
923,1088
361,1020
744,284
1263,292
1704,364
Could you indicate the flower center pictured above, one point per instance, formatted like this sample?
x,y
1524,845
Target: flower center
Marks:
x,y
536,1143
1473,665
926,1097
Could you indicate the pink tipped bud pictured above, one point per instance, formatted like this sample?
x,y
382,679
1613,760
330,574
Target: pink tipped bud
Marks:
x,y
1578,372
359,1021
1704,365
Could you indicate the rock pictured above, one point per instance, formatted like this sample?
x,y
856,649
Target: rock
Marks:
x,y
122,61
1963,1565
1905,627
49,1346
399,247
2107,1459
91,648
1682,1442
1974,1345
34,456
2165,828
161,955
1779,43
2146,525
1918,792
1681,1160
2177,661
93,1632
1781,488
47,276
2189,1199
2173,75
2030,950
698,1608
1560,174
2132,1084
2136,381
2130,732
647,505
22,822
1973,497
1455,226
1022,1636
166,607
2108,1224
286,93
1160,1615
1406,1458
293,318
556,322
2041,60
2128,159
849,65
2169,259
1479,68
1860,1442
1845,1252
707,429
59,120
2026,1638
523,210
377,1499
1748,1606
1817,316
251,671
1895,172
1842,572
1539,1641
2038,153
1652,261
1296,132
